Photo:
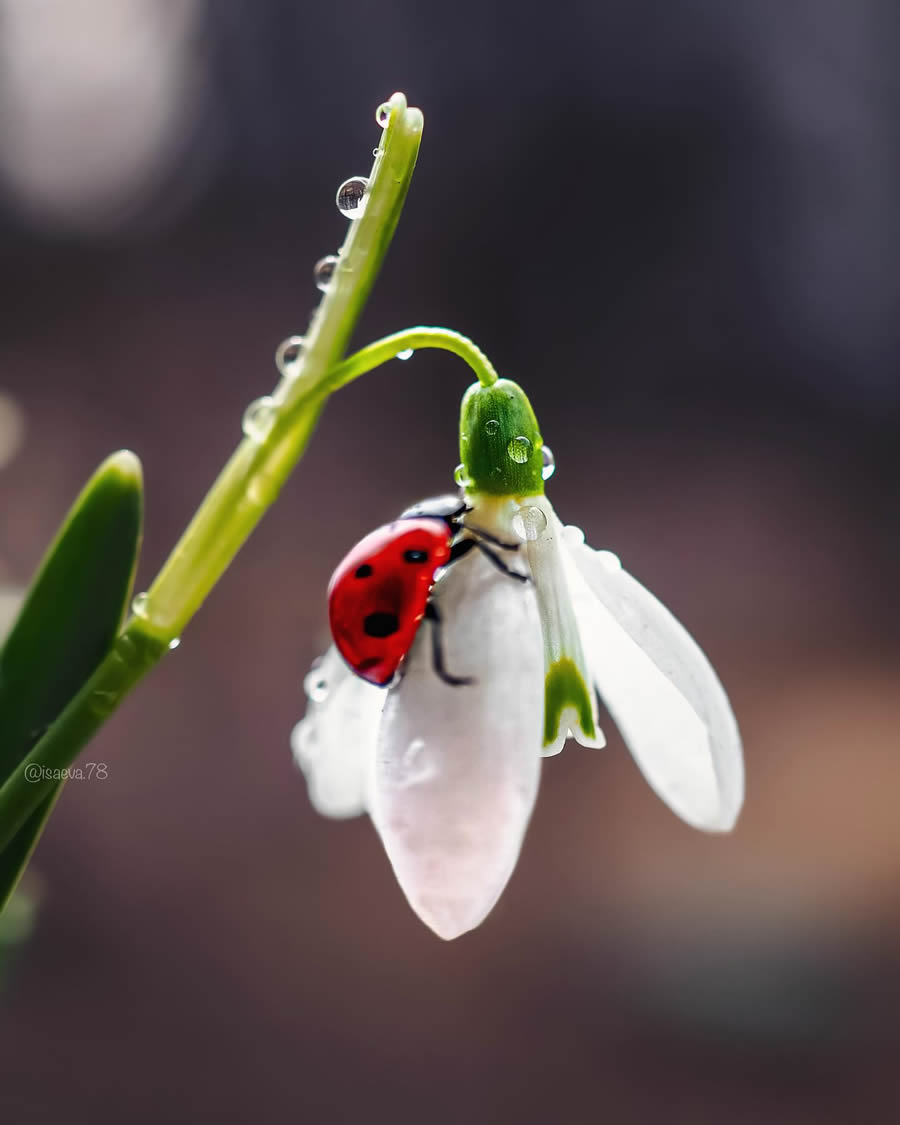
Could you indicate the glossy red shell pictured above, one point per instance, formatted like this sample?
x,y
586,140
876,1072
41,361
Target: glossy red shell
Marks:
x,y
378,594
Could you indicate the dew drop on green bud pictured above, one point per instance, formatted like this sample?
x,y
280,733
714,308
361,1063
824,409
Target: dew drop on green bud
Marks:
x,y
519,450
351,197
259,417
139,605
491,426
324,271
528,523
287,356
459,476
383,114
174,643
549,462
407,353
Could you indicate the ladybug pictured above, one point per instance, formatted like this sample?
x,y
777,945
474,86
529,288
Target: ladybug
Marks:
x,y
381,591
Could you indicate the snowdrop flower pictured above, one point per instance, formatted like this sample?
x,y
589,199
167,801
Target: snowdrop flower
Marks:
x,y
449,773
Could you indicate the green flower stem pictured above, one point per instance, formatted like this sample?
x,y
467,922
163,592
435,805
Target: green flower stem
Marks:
x,y
245,488
412,338
255,474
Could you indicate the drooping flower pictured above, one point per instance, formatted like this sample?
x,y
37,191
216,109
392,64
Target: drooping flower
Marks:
x,y
449,773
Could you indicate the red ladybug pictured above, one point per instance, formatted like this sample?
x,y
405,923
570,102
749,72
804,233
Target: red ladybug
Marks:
x,y
381,591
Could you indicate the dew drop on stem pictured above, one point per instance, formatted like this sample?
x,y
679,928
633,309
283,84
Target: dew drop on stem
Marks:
x,y
287,356
351,197
259,417
324,271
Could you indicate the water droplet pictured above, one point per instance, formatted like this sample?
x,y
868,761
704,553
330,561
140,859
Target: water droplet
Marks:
x,y
459,476
351,197
174,643
287,355
528,523
414,765
519,449
549,462
323,271
375,151
407,353
103,702
413,751
383,114
259,417
140,604
491,426
316,686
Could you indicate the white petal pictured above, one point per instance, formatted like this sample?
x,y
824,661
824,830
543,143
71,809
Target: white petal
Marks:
x,y
334,744
661,690
457,768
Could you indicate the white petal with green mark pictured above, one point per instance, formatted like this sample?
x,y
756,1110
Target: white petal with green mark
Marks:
x,y
569,707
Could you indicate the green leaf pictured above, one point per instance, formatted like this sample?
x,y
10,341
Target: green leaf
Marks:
x,y
67,625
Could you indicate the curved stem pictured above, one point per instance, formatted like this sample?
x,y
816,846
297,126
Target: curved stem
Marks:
x,y
412,338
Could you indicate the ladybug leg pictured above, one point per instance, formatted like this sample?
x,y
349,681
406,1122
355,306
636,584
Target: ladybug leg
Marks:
x,y
437,650
463,546
479,533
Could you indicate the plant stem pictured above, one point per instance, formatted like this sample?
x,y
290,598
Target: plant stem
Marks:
x,y
412,338
256,472
245,488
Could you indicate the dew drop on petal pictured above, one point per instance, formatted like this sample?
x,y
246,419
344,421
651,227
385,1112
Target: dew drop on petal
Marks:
x,y
383,114
414,766
287,356
259,417
140,604
491,426
528,523
351,197
407,353
519,449
174,643
316,686
323,271
549,462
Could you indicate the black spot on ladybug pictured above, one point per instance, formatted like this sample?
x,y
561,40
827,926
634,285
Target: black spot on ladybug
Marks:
x,y
364,571
380,624
415,556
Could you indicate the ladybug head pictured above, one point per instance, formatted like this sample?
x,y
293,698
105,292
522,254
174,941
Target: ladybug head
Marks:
x,y
447,508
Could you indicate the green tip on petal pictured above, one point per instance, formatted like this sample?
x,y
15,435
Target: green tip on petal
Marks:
x,y
499,441
565,689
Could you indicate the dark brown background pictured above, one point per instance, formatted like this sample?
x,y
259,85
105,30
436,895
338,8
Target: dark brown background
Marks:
x,y
677,226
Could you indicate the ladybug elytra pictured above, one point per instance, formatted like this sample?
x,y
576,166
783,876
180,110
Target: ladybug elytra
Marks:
x,y
381,592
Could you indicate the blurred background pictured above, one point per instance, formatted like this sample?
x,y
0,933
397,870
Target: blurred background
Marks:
x,y
678,226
